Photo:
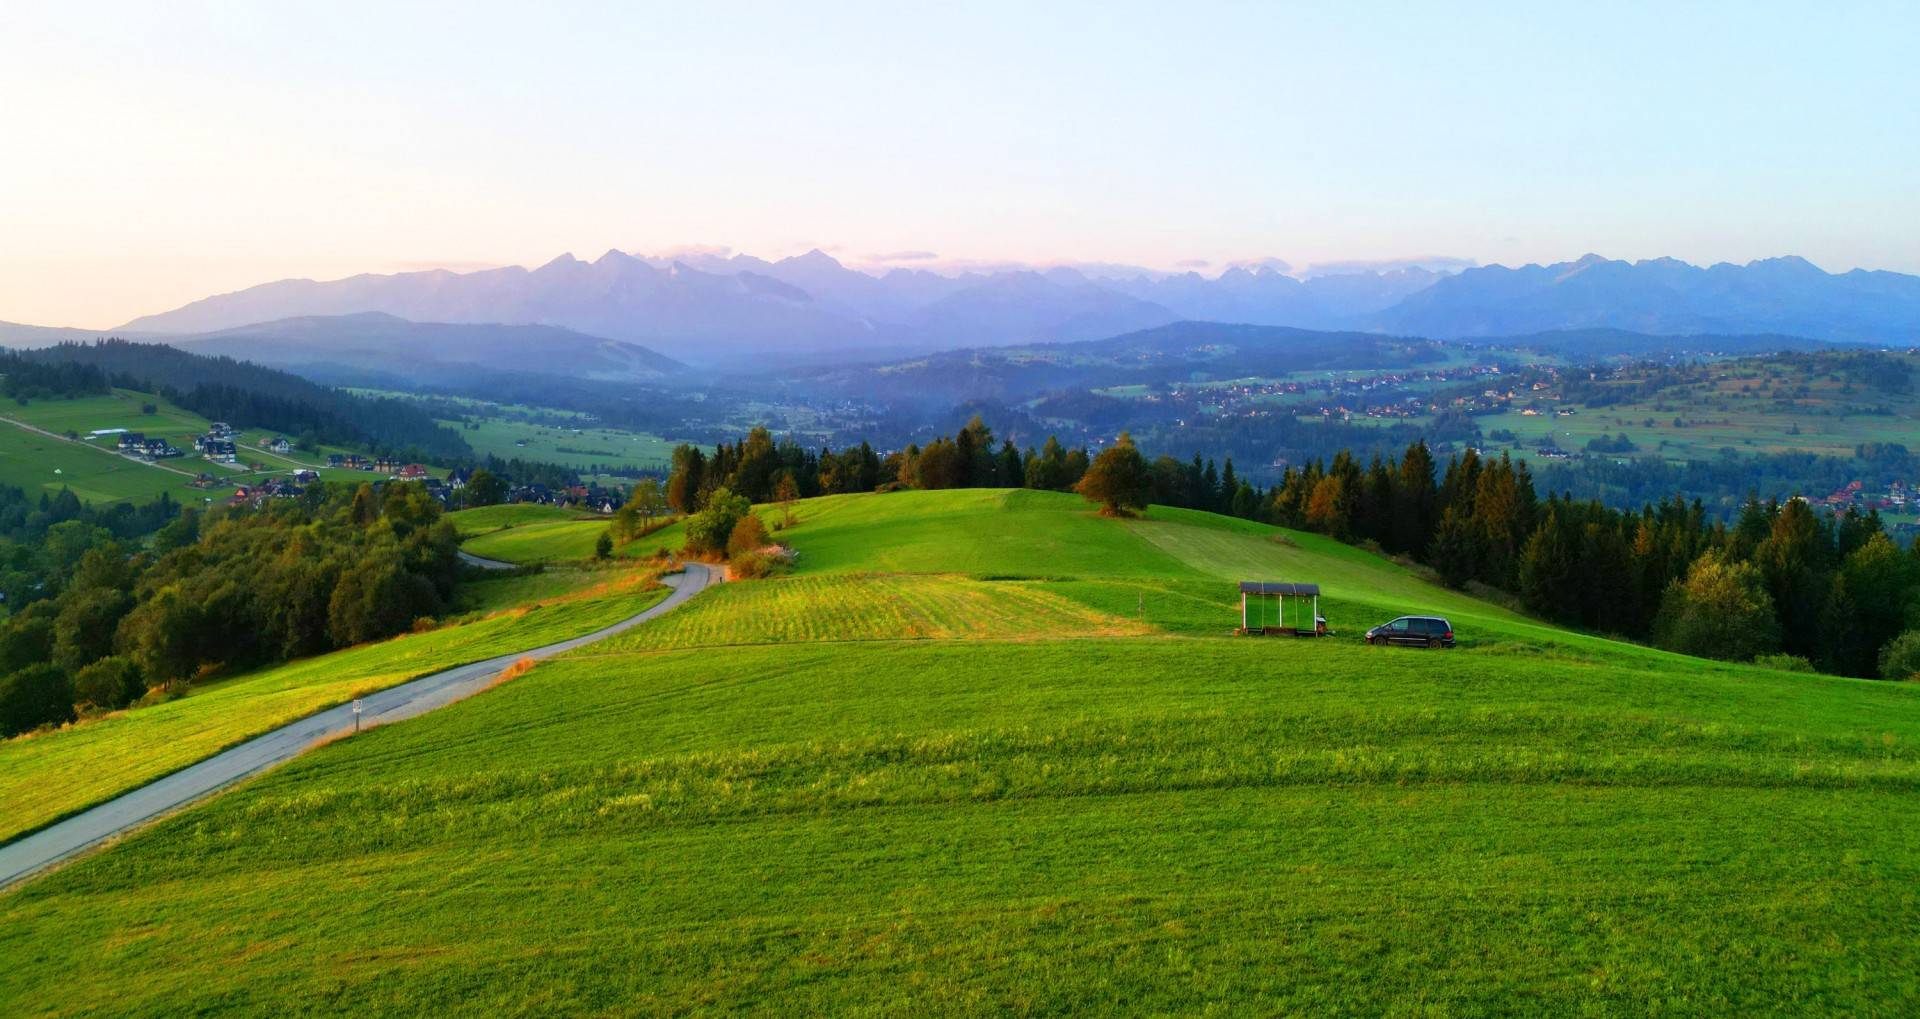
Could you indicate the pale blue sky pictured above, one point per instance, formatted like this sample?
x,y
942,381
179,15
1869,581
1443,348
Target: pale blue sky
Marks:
x,y
156,153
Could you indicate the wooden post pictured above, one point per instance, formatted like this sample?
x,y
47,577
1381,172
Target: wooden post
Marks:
x,y
1243,612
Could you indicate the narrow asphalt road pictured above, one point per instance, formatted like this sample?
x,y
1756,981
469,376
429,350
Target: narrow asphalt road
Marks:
x,y
486,564
89,828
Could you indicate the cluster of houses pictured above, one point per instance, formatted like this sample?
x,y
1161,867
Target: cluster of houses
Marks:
x,y
287,486
146,448
217,444
592,498
1899,497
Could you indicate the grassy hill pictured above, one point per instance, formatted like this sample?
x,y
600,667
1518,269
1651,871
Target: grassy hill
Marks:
x,y
487,519
529,538
39,462
987,752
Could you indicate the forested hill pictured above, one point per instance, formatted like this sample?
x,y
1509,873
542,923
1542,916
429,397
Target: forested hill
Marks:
x,y
248,395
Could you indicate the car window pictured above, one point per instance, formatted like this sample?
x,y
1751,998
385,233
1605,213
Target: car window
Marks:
x,y
1399,624
1423,626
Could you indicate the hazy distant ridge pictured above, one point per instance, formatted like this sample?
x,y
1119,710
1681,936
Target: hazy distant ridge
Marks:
x,y
736,307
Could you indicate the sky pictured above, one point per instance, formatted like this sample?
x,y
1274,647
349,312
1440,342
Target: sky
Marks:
x,y
152,154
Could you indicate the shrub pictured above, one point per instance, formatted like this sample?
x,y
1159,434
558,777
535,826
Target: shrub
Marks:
x,y
603,548
109,684
34,696
172,690
749,535
1900,659
1721,610
709,529
1784,663
758,565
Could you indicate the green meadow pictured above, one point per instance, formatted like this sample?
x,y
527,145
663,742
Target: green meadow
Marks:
x,y
485,519
988,752
95,473
541,541
45,776
580,448
39,463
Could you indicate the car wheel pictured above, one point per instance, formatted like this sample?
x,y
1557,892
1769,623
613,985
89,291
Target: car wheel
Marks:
x,y
1376,641
1433,642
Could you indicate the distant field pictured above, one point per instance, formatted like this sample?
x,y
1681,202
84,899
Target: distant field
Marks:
x,y
1703,432
46,776
39,463
1746,405
577,448
97,475
829,794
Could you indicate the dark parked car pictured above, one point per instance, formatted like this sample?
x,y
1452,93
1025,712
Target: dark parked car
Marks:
x,y
1419,631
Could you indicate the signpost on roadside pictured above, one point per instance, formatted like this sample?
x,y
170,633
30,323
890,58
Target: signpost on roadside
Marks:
x,y
356,714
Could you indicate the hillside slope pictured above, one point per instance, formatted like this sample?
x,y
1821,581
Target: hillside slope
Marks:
x,y
988,752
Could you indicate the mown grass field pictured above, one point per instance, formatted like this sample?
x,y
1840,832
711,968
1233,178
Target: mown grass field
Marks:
x,y
1158,819
39,463
805,609
46,776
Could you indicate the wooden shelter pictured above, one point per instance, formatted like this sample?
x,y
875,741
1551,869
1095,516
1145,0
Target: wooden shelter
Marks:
x,y
1264,609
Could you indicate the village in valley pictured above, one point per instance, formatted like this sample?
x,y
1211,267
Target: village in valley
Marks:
x,y
274,468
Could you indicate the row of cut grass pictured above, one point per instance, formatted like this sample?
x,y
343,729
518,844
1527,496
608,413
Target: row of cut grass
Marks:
x,y
808,609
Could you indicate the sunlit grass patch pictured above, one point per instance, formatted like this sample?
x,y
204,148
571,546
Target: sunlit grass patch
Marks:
x,y
843,608
540,541
484,519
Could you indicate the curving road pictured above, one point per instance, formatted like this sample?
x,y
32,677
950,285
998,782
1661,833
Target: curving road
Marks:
x,y
486,564
89,828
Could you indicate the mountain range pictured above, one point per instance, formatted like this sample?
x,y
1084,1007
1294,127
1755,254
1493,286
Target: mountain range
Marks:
x,y
711,310
373,343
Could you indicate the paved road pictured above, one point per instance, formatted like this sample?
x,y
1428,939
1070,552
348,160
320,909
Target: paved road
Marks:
x,y
114,817
486,564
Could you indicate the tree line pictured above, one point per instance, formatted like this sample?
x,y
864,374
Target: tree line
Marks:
x,y
99,623
756,466
239,392
1824,590
1831,591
